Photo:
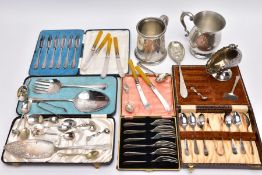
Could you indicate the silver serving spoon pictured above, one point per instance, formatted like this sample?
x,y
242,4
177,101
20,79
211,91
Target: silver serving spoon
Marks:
x,y
86,101
237,121
231,95
41,149
248,123
160,78
228,122
176,52
184,122
192,123
201,120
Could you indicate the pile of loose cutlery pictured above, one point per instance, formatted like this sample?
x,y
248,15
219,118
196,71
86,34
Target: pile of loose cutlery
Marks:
x,y
148,143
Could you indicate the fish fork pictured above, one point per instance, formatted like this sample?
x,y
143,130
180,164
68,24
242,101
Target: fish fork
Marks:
x,y
77,44
62,45
51,64
42,86
159,151
69,46
41,45
160,143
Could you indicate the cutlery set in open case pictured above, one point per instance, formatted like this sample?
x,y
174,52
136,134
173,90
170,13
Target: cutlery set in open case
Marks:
x,y
198,118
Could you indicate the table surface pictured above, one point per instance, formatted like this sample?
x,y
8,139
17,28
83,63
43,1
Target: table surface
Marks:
x,y
21,22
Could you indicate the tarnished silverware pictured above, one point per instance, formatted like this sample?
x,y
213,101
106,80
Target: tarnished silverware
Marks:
x,y
69,46
41,45
62,45
162,122
56,43
106,62
77,44
138,86
162,135
118,61
92,155
130,124
49,43
157,144
159,151
42,86
156,92
134,131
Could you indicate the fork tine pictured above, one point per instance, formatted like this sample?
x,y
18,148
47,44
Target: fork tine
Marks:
x,y
40,91
42,83
40,87
43,80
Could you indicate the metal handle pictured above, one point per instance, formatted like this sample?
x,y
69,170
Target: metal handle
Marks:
x,y
164,18
144,67
92,86
183,89
235,84
182,17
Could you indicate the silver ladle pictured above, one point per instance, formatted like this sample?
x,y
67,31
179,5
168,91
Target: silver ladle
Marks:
x,y
228,122
86,101
176,52
160,78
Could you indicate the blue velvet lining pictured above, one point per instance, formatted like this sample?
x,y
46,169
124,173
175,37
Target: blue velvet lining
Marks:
x,y
54,71
70,93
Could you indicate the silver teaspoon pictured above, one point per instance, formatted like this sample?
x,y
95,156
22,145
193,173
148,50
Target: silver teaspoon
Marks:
x,y
201,124
176,52
228,122
192,123
237,121
183,122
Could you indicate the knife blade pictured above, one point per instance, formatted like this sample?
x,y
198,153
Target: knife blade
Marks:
x,y
138,86
154,89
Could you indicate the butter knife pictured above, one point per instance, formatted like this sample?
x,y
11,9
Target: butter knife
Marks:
x,y
138,86
118,62
156,92
106,63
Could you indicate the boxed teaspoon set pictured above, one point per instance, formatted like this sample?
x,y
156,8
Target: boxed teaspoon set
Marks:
x,y
66,107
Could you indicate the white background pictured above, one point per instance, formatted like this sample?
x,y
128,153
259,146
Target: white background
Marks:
x,y
21,22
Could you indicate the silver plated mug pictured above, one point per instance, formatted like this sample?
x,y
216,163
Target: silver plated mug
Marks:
x,y
151,40
205,36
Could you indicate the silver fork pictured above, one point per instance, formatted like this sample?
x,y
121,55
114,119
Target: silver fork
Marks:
x,y
165,159
49,43
160,143
159,151
69,46
42,86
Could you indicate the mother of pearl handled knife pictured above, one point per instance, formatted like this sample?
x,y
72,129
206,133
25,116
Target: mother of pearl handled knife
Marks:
x,y
138,86
156,92
105,68
118,62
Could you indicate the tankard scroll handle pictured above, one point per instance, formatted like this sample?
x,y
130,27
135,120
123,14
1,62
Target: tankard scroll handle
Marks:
x,y
182,17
